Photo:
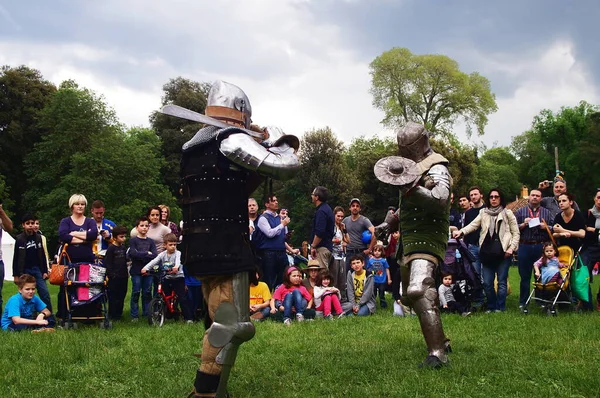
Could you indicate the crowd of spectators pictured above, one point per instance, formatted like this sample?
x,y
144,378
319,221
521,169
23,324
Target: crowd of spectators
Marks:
x,y
343,272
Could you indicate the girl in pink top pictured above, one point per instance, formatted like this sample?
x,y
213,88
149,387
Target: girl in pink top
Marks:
x,y
289,295
327,296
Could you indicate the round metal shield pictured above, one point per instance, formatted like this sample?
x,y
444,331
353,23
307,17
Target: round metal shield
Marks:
x,y
396,170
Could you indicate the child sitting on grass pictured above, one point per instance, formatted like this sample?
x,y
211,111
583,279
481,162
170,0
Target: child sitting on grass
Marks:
x,y
548,266
327,296
260,299
20,310
291,295
360,289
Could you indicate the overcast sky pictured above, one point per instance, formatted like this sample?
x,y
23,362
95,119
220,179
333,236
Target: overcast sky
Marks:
x,y
305,63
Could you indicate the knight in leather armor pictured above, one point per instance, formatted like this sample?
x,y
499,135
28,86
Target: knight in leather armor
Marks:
x,y
220,167
425,185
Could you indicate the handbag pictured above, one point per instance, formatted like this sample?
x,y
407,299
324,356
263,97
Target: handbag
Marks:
x,y
491,250
57,271
580,281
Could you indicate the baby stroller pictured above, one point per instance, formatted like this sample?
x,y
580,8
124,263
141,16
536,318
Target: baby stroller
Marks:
x,y
551,294
458,263
86,295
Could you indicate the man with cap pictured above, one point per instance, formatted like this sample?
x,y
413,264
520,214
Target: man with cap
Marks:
x,y
356,224
423,217
220,166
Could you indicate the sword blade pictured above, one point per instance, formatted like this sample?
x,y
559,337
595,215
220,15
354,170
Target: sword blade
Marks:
x,y
183,113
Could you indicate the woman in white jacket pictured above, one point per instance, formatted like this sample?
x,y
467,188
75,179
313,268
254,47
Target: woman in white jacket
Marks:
x,y
498,240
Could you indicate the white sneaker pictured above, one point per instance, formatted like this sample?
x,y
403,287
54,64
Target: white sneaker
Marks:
x,y
300,317
287,322
189,322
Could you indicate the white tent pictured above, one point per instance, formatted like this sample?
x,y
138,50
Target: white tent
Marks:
x,y
8,249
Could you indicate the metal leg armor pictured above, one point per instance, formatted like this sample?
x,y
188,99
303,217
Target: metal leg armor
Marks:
x,y
229,303
423,295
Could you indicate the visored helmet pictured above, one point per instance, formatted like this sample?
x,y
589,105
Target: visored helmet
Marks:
x,y
227,102
413,141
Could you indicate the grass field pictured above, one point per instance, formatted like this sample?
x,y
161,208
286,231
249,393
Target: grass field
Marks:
x,y
495,355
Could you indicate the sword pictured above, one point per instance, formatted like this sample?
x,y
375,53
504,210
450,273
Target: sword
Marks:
x,y
183,113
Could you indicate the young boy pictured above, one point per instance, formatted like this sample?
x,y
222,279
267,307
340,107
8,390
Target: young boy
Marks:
x,y
29,257
170,261
141,250
360,289
20,311
260,299
380,269
447,301
115,262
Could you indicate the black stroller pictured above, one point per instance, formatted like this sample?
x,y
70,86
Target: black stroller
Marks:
x,y
86,295
458,263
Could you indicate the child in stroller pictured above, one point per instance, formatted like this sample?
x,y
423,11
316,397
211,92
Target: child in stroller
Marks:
x,y
547,268
458,264
447,301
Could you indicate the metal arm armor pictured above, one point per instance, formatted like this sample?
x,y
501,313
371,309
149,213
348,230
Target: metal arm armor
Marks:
x,y
280,162
435,190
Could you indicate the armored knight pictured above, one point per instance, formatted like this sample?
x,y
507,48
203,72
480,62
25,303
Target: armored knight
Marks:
x,y
422,218
221,165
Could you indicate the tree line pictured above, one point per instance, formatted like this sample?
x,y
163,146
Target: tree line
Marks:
x,y
59,140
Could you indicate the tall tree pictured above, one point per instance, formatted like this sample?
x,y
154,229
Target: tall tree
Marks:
x,y
23,93
429,89
86,151
174,132
568,129
498,168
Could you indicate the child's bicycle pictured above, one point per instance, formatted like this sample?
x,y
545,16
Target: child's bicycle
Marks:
x,y
162,306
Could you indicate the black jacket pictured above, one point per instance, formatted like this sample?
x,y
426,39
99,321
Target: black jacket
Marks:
x,y
20,254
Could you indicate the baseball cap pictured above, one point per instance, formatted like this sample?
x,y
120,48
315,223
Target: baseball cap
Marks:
x,y
354,200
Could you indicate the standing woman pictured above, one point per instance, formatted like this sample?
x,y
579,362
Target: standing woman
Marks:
x,y
79,233
569,224
498,239
165,214
340,240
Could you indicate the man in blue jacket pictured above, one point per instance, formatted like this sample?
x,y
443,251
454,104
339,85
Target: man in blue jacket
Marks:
x,y
322,229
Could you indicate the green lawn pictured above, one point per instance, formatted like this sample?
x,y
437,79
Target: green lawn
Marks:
x,y
496,355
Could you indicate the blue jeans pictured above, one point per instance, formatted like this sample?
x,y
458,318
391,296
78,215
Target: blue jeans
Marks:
x,y
40,285
274,262
474,250
20,327
143,285
528,254
292,299
362,311
500,268
380,291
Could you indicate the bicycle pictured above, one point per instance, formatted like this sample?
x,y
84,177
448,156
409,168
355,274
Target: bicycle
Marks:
x,y
162,306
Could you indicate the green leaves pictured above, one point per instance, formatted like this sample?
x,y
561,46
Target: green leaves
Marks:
x,y
429,89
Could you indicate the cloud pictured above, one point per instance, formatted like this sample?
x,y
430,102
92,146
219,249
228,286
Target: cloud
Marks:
x,y
303,64
295,70
548,78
